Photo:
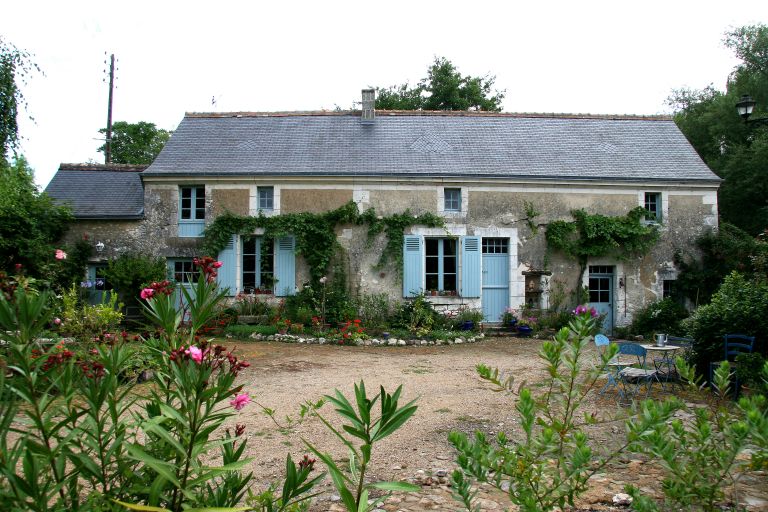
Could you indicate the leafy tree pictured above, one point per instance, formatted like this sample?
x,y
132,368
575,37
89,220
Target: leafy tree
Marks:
x,y
444,88
736,151
135,143
15,65
30,223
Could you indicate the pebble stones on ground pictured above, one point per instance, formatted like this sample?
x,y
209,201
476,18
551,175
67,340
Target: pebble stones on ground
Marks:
x,y
391,342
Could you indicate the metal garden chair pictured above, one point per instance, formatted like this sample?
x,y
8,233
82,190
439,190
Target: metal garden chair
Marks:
x,y
638,373
612,368
735,344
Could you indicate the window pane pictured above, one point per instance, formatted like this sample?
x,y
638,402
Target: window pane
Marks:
x,y
452,199
249,282
431,246
594,296
431,265
249,263
604,297
449,283
449,265
449,246
249,245
431,282
186,193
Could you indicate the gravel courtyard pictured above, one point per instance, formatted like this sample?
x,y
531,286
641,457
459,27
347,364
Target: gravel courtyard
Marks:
x,y
450,397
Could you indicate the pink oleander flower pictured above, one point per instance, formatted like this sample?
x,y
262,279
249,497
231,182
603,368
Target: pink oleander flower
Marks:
x,y
60,255
593,312
217,264
195,354
57,321
147,293
240,401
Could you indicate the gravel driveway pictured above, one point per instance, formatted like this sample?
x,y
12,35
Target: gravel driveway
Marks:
x,y
450,397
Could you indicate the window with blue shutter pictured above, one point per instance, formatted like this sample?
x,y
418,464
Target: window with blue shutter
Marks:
x,y
471,267
257,265
413,265
191,211
228,271
285,266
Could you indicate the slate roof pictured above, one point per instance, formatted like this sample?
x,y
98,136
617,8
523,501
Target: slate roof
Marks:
x,y
431,145
99,191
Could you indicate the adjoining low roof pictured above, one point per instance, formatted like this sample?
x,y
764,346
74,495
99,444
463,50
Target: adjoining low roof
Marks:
x,y
431,145
96,191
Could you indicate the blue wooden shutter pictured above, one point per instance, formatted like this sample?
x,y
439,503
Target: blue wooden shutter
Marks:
x,y
228,270
413,265
285,266
471,276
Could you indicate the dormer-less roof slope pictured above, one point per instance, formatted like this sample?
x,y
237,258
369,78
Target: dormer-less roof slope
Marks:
x,y
95,191
431,145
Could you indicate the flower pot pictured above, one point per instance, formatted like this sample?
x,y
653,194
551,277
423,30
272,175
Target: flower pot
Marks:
x,y
512,324
467,325
524,331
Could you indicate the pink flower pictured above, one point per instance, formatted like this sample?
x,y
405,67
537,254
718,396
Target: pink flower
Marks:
x,y
240,401
147,293
57,321
60,255
195,354
217,264
593,312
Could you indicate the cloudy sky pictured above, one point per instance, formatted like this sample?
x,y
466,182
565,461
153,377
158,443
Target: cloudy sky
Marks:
x,y
173,57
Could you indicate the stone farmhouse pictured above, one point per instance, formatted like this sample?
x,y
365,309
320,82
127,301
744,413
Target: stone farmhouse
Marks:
x,y
480,172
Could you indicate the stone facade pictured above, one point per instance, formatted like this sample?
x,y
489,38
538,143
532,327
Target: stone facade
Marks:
x,y
491,210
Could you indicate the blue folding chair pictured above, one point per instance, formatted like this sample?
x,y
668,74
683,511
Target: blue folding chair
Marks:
x,y
613,367
638,372
735,344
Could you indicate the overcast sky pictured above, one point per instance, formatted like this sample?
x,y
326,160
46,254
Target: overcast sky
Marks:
x,y
173,57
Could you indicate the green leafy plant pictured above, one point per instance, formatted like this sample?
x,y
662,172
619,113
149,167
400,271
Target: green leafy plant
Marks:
x,y
85,321
700,457
664,316
129,273
596,235
552,463
368,430
315,233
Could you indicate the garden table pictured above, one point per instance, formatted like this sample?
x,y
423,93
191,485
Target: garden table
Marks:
x,y
666,361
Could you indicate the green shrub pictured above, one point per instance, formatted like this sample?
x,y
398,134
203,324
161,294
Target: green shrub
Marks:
x,y
664,316
416,315
84,321
738,307
374,309
129,273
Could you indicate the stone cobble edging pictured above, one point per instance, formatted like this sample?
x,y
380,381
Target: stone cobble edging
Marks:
x,y
370,342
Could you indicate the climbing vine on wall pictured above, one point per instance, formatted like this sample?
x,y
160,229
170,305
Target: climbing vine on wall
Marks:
x,y
315,233
595,235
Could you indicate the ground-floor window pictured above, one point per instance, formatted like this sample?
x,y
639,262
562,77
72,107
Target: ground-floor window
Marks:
x,y
441,255
257,264
183,270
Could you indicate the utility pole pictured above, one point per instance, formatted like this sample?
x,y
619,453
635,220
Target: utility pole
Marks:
x,y
108,152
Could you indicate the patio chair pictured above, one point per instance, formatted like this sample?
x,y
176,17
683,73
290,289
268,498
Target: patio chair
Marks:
x,y
735,344
638,373
612,368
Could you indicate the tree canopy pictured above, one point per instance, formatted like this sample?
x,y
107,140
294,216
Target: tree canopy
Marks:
x,y
736,151
135,143
444,88
15,66
30,223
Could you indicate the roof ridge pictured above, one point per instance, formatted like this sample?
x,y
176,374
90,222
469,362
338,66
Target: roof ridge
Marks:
x,y
102,167
435,113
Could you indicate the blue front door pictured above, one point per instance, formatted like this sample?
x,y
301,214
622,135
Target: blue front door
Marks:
x,y
495,278
601,294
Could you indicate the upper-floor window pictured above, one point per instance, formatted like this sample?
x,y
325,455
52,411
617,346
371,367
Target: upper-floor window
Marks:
x,y
192,203
266,198
191,211
452,199
653,206
667,288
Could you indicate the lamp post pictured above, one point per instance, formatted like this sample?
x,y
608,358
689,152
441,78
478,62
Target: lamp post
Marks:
x,y
745,107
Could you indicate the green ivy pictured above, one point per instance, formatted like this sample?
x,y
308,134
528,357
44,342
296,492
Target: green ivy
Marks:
x,y
595,235
315,233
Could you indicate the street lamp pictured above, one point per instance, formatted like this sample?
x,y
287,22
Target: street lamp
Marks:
x,y
100,247
745,106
